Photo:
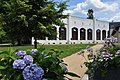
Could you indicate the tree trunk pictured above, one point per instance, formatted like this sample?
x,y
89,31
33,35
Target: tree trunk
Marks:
x,y
35,43
19,42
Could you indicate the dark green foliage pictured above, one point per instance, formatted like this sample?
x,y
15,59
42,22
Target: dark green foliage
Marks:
x,y
6,70
90,14
4,39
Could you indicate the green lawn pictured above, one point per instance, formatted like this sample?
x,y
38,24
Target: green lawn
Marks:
x,y
67,49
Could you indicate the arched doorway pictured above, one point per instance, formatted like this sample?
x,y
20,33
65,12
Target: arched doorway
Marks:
x,y
89,34
62,33
82,34
103,34
98,34
74,33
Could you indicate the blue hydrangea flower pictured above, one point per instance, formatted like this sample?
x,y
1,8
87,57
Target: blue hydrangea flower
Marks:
x,y
33,72
28,59
21,53
105,56
118,52
19,64
34,51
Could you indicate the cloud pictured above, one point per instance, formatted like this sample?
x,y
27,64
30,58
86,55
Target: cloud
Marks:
x,y
101,6
97,5
68,12
115,18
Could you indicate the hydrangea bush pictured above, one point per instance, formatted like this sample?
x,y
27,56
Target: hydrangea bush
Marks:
x,y
33,65
103,60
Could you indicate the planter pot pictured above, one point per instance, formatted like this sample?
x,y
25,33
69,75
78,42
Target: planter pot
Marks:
x,y
112,74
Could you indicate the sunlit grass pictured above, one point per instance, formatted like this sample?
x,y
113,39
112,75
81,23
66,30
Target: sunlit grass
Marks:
x,y
67,49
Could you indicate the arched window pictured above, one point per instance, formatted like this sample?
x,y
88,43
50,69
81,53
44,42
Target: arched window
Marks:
x,y
89,34
62,33
82,34
103,34
74,34
98,34
53,34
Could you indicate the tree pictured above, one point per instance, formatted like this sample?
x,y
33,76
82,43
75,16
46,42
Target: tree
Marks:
x,y
90,14
11,22
2,32
27,18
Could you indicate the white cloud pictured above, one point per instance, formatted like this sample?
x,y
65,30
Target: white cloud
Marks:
x,y
115,18
100,6
97,5
68,11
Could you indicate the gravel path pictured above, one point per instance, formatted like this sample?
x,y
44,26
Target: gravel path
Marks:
x,y
75,61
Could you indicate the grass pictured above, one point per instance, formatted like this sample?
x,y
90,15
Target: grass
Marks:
x,y
67,49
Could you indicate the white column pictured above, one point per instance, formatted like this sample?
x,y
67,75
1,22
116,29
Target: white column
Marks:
x,y
78,34
67,30
101,34
94,30
106,34
86,34
46,38
69,33
95,35
33,40
57,33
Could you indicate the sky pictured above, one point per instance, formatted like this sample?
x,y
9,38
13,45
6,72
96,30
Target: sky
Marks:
x,y
106,10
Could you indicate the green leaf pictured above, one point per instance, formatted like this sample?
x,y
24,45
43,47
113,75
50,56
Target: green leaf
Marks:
x,y
72,74
2,67
26,23
13,58
22,17
4,54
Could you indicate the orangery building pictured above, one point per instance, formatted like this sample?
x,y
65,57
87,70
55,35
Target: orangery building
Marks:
x,y
78,30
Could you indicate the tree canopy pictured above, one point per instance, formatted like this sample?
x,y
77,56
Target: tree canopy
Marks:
x,y
31,18
90,14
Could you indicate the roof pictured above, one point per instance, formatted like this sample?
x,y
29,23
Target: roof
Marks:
x,y
114,24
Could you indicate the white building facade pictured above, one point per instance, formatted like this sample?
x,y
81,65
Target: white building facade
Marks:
x,y
79,30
